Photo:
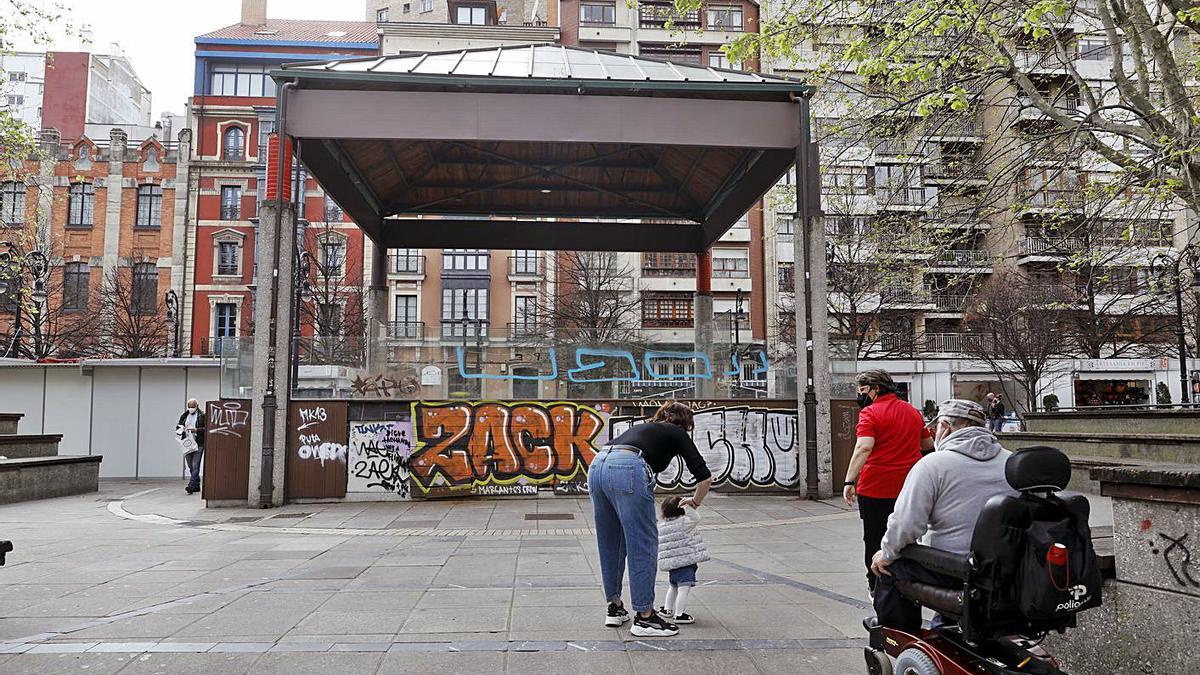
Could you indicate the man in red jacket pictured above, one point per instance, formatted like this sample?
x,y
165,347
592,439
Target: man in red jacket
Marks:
x,y
891,436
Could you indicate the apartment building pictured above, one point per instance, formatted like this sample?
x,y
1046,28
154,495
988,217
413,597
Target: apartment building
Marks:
x,y
916,224
67,91
233,114
109,216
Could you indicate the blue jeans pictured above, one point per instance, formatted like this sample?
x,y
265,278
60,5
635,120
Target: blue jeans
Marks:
x,y
622,490
193,465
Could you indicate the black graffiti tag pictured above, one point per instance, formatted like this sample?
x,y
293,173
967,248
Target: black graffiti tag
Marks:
x,y
1183,573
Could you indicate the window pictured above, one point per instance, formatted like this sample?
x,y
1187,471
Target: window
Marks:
x,y
16,99
407,261
719,60
231,202
474,15
406,309
235,144
12,204
407,8
731,264
266,127
668,265
525,311
470,304
149,206
465,260
1094,49
333,258
227,258
382,15
240,79
80,205
667,310
224,325
333,212
786,224
17,76
787,277
525,262
145,288
426,5
725,18
598,14
844,180
846,226
76,287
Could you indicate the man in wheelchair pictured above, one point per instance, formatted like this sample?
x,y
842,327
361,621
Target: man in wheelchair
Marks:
x,y
1008,558
940,502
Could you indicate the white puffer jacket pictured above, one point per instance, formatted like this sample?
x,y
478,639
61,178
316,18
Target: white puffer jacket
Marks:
x,y
679,545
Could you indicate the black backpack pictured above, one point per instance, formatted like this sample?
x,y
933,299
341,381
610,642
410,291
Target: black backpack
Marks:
x,y
1048,590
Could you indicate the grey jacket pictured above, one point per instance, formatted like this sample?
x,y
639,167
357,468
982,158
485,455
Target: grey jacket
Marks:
x,y
678,543
945,491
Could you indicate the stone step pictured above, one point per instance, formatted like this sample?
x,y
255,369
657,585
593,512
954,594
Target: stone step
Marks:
x,y
8,423
27,479
1176,448
18,446
1118,421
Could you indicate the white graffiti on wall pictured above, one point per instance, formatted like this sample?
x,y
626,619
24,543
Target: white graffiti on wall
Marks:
x,y
743,447
379,454
227,419
312,447
311,416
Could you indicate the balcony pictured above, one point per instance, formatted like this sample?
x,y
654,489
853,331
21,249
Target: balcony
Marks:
x,y
906,198
406,330
231,212
950,302
962,258
661,322
526,268
956,170
471,332
947,343
896,147
1049,247
655,388
528,330
1070,199
956,128
217,346
407,265
1031,113
660,14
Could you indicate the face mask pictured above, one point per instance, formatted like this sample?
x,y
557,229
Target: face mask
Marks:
x,y
863,400
191,409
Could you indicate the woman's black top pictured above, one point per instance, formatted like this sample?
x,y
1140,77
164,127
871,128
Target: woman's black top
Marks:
x,y
660,442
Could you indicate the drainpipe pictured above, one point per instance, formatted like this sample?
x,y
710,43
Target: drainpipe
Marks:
x,y
804,216
270,406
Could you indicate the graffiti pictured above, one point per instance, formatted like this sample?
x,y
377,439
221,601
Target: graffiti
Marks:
x,y
505,490
227,419
474,444
379,455
743,447
592,363
382,386
1181,570
311,447
311,416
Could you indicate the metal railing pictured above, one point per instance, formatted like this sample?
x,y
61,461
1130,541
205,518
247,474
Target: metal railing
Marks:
x,y
1053,198
471,330
669,271
406,330
231,212
896,146
962,258
1045,246
216,346
946,343
407,264
906,196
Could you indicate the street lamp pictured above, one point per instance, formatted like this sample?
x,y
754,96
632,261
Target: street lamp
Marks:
x,y
1169,271
172,301
304,294
12,260
735,325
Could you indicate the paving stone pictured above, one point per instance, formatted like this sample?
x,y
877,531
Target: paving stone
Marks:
x,y
351,622
467,619
190,664
442,663
57,664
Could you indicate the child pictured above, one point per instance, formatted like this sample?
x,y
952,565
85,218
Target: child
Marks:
x,y
680,550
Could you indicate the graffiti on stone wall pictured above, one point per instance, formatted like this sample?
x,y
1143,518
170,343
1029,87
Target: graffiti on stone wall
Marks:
x,y
470,444
743,447
379,456
1179,560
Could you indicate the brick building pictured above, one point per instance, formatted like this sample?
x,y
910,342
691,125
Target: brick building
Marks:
x,y
233,113
109,216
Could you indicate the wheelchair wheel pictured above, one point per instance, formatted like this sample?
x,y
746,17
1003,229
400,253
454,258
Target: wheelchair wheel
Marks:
x,y
915,662
878,662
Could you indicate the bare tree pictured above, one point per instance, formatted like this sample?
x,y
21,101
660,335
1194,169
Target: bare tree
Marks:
x,y
593,303
58,329
133,321
336,310
1014,330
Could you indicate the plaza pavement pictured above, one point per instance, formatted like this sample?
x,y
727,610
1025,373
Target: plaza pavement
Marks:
x,y
140,578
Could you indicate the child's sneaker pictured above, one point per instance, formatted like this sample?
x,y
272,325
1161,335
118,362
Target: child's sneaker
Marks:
x,y
684,618
653,626
617,615
664,612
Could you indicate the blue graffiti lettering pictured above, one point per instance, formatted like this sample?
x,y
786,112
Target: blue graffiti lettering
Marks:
x,y
689,356
616,353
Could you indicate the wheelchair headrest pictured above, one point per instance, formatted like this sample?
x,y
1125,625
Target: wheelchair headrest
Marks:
x,y
1038,468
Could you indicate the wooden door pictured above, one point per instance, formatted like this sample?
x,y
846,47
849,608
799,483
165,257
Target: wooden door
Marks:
x,y
317,439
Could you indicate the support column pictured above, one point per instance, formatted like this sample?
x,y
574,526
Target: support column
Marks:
x,y
376,300
812,324
703,320
275,283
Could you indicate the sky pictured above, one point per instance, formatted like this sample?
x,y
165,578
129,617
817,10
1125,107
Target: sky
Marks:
x,y
157,35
